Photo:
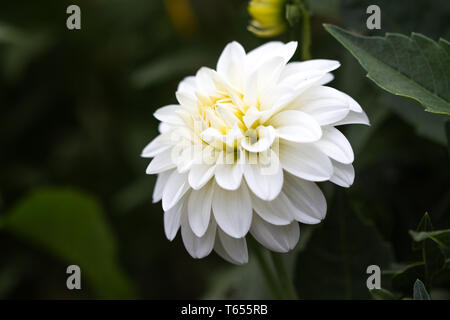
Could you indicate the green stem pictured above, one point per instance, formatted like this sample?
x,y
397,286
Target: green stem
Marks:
x,y
306,34
268,274
280,269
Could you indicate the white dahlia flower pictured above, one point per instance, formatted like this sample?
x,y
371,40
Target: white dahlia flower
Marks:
x,y
244,146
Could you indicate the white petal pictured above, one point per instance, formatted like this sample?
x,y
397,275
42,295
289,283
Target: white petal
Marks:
x,y
211,135
288,50
354,106
269,72
251,90
354,118
277,212
331,92
305,161
299,80
233,135
275,238
344,174
324,110
265,137
316,65
200,174
231,249
156,146
251,116
296,126
268,75
172,220
199,209
169,114
265,179
186,159
161,181
198,247
356,114
326,78
227,115
164,127
335,145
233,210
229,176
186,100
231,64
188,86
307,198
232,53
204,81
175,188
161,162
269,50
324,92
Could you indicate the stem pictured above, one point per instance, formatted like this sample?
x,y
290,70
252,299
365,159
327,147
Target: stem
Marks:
x,y
280,269
268,274
306,34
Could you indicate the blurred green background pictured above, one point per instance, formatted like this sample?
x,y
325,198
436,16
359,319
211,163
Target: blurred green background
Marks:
x,y
76,110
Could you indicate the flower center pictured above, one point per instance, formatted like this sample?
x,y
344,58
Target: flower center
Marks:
x,y
223,111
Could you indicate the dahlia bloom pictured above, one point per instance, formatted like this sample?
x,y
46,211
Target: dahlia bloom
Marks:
x,y
244,146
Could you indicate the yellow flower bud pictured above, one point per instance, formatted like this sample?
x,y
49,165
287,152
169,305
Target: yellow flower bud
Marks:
x,y
267,17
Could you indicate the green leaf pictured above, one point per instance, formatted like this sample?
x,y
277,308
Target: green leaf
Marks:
x,y
71,226
432,255
425,223
420,292
403,280
415,67
441,237
383,294
342,247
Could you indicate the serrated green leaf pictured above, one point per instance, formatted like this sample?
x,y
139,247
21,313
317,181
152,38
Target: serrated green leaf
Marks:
x,y
71,226
420,292
415,67
441,237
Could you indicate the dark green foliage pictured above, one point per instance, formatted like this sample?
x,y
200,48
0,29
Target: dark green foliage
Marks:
x,y
337,255
72,226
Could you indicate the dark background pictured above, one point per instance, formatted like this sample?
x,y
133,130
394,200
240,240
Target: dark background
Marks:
x,y
76,111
